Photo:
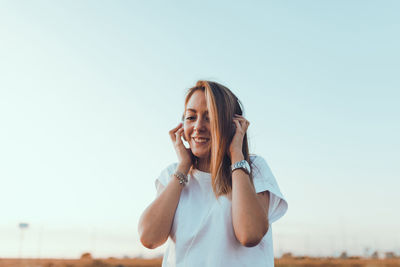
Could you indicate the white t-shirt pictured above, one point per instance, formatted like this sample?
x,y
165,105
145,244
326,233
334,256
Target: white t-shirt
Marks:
x,y
202,232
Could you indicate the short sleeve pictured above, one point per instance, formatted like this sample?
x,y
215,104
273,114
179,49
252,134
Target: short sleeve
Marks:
x,y
165,176
264,180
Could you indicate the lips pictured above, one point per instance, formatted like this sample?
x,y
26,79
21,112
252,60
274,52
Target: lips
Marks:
x,y
201,140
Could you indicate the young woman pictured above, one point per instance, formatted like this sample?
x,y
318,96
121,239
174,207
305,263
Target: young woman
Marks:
x,y
215,206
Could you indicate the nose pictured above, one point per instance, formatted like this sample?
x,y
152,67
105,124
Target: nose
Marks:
x,y
200,124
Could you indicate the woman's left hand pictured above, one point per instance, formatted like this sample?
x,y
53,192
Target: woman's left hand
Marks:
x,y
242,124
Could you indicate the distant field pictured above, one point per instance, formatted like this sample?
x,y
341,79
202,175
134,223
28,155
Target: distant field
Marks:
x,y
309,262
318,262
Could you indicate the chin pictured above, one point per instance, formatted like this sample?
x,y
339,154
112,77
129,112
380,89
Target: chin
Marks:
x,y
201,154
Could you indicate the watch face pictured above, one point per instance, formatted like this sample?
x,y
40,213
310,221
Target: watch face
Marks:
x,y
242,165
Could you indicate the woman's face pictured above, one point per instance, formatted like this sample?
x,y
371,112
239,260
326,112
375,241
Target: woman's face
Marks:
x,y
197,125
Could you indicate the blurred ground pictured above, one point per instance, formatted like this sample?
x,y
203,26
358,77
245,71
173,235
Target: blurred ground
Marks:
x,y
300,262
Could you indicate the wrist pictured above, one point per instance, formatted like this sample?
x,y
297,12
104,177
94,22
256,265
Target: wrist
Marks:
x,y
236,156
241,165
183,168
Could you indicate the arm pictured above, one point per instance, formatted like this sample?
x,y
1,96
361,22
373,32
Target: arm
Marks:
x,y
249,209
156,221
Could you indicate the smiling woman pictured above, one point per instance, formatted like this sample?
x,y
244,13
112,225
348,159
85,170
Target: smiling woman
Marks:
x,y
215,205
196,127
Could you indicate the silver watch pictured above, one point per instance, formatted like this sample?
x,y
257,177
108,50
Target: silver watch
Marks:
x,y
243,164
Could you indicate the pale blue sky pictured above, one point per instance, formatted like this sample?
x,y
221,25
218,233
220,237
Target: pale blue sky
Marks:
x,y
90,89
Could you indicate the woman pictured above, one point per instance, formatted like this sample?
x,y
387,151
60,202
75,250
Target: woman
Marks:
x,y
215,205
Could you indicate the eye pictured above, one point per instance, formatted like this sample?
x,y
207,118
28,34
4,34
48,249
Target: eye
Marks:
x,y
190,118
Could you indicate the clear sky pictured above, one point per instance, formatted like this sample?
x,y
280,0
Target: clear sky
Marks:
x,y
90,89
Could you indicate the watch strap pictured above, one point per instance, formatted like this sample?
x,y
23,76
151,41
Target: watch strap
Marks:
x,y
243,164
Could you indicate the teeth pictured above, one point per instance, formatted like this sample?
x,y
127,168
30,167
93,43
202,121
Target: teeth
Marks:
x,y
200,140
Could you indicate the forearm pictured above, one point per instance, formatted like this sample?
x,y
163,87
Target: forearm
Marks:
x,y
156,221
249,220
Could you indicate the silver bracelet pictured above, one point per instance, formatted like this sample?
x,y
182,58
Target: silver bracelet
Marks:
x,y
181,177
243,164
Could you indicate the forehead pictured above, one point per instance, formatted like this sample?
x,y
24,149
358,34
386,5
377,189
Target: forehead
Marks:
x,y
197,102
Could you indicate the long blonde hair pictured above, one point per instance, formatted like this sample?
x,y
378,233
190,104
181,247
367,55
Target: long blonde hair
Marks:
x,y
222,104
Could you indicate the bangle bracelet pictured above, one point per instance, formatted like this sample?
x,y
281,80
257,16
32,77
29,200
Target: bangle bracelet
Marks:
x,y
181,177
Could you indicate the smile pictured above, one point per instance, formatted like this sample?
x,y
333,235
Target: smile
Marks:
x,y
200,140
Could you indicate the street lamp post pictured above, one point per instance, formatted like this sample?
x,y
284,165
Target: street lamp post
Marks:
x,y
22,227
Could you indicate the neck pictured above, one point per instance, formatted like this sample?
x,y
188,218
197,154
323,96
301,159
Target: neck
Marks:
x,y
203,164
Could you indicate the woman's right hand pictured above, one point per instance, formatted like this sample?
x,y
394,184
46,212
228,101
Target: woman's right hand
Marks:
x,y
185,155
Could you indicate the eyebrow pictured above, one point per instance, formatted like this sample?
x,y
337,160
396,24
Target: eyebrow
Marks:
x,y
193,110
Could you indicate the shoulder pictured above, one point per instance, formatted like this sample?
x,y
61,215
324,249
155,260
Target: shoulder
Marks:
x,y
171,168
256,158
260,168
258,163
166,173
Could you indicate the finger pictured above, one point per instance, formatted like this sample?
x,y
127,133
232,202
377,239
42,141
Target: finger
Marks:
x,y
238,126
240,118
173,131
177,127
241,122
246,126
244,120
245,123
178,135
179,132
